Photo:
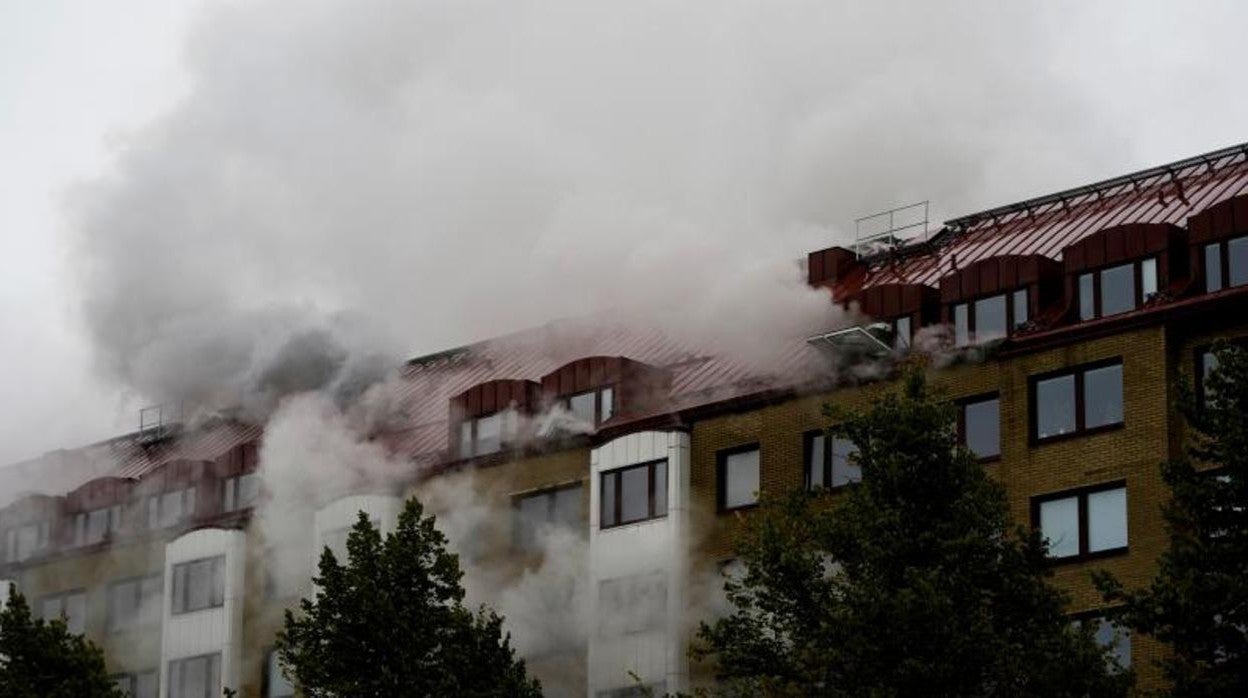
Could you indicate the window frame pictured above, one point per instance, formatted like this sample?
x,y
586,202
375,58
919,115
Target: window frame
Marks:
x,y
1011,322
1137,271
473,424
138,621
551,494
63,597
597,392
181,661
1080,430
962,404
808,439
82,525
215,600
721,476
232,490
1224,263
156,502
1082,493
617,474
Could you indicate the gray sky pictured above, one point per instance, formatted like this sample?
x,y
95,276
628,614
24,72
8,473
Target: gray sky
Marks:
x,y
179,178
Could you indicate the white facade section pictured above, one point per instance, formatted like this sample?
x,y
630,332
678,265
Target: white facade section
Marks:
x,y
630,564
208,630
5,585
333,520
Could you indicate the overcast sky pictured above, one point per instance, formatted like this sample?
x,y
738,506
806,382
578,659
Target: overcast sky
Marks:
x,y
803,114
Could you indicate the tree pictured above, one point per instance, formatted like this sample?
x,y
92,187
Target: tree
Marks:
x,y
42,659
913,582
391,622
1198,601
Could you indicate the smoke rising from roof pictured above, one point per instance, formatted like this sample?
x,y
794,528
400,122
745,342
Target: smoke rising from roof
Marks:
x,y
457,170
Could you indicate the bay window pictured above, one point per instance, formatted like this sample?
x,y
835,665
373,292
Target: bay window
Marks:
x,y
198,584
632,494
195,677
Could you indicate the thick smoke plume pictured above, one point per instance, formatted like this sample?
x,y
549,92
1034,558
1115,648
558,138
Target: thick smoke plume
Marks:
x,y
456,170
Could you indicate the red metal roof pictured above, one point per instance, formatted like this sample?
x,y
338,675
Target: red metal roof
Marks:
x,y
1044,226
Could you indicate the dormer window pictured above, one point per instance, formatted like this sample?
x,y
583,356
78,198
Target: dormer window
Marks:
x,y
987,319
25,541
1226,264
1117,289
96,525
480,436
593,406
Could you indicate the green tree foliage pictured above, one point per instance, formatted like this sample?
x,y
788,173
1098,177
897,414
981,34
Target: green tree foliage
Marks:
x,y
42,659
1198,601
391,622
913,582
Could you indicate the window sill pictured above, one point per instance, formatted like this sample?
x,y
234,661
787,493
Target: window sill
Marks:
x,y
1057,438
1088,557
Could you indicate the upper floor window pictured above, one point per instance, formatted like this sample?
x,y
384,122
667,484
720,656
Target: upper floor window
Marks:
x,y
482,435
140,685
95,526
632,494
738,477
198,584
593,406
830,461
549,509
70,606
1076,401
195,677
1083,523
25,541
1117,289
240,492
170,508
135,602
635,604
989,318
979,426
276,685
1226,264
1206,364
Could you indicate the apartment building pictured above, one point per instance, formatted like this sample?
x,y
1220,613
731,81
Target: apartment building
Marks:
x,y
1058,325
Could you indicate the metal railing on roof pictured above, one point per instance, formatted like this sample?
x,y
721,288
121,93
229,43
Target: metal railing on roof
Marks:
x,y
891,228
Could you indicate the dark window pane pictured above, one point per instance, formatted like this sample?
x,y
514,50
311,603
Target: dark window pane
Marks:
x,y
1102,396
990,318
1021,308
1107,520
1213,267
1116,638
815,460
1118,289
961,325
1208,362
1087,301
607,400
740,479
567,511
634,494
983,427
531,515
1237,262
607,505
844,468
1055,406
660,488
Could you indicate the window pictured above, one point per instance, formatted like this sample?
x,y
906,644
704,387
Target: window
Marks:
x,y
240,492
629,605
1117,289
1226,264
135,602
94,526
25,541
275,683
70,606
198,584
979,426
170,508
830,461
1083,523
738,477
632,494
535,513
141,685
1206,363
1111,636
903,332
195,677
1082,400
594,406
991,318
481,436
